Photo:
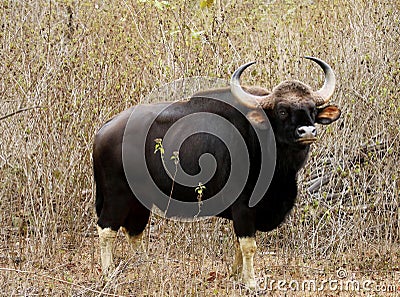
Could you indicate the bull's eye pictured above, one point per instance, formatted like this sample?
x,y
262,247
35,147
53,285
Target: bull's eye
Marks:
x,y
283,113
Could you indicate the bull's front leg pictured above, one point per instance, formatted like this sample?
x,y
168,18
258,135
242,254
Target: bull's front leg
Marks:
x,y
248,248
237,266
244,225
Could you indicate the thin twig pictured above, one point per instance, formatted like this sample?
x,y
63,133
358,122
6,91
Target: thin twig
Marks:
x,y
19,111
56,279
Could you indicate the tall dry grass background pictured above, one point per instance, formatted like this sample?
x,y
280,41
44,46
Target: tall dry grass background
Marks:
x,y
83,61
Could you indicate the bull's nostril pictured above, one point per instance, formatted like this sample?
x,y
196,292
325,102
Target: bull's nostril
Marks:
x,y
306,131
299,132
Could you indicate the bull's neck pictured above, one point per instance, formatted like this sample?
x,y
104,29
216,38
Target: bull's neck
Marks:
x,y
291,159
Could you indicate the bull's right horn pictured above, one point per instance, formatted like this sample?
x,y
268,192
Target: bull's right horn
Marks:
x,y
326,92
249,100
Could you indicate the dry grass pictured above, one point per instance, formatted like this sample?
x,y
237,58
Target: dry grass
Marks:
x,y
84,61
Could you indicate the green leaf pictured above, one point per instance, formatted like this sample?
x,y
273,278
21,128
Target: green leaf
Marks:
x,y
161,4
196,34
158,146
200,188
206,3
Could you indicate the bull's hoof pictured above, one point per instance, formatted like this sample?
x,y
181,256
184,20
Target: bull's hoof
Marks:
x,y
108,273
250,284
236,274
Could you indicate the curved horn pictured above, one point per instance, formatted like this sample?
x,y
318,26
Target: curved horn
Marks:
x,y
249,100
326,92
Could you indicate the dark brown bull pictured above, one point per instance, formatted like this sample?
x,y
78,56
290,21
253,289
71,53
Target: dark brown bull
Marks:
x,y
292,108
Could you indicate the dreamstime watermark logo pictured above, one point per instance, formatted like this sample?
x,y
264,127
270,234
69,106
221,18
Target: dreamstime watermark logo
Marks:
x,y
341,273
341,282
211,126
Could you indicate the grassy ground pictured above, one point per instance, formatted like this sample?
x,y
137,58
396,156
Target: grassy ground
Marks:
x,y
83,61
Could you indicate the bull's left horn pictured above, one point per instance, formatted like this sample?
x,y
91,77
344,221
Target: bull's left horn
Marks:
x,y
249,100
326,92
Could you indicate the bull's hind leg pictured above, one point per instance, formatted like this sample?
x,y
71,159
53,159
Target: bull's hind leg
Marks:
x,y
135,241
107,237
134,226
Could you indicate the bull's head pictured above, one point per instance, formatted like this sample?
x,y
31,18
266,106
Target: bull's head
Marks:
x,y
292,107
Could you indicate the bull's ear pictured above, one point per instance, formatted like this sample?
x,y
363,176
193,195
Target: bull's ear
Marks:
x,y
327,114
258,119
